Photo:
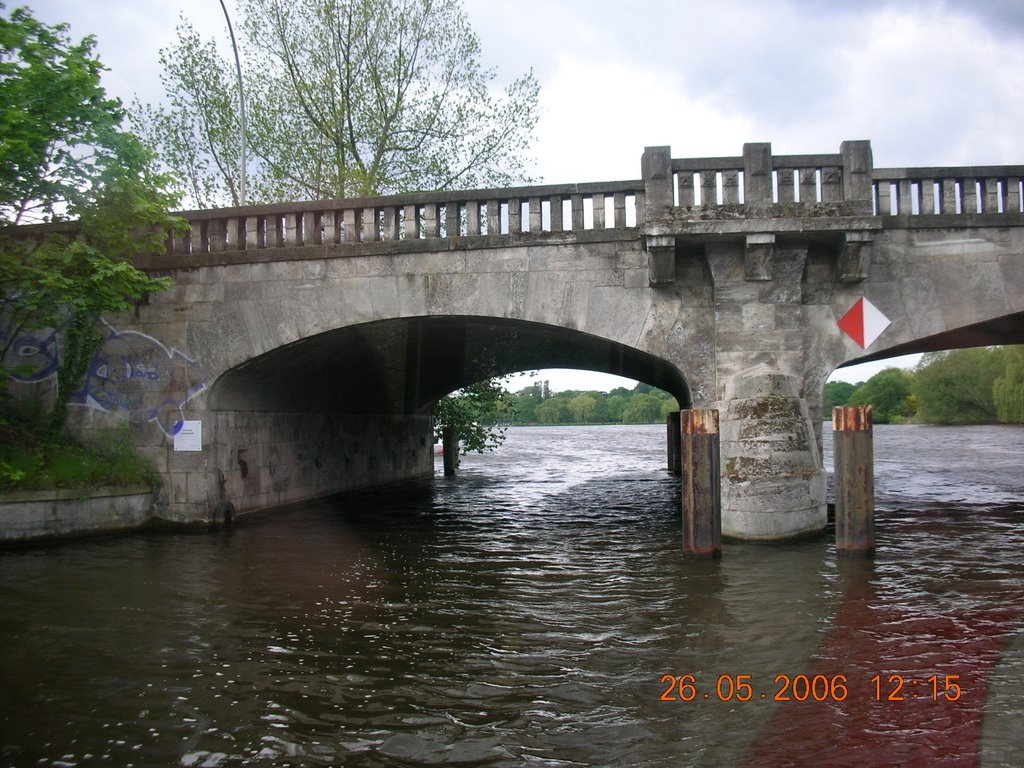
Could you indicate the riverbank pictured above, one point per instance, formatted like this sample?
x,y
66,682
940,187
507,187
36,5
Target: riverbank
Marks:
x,y
37,516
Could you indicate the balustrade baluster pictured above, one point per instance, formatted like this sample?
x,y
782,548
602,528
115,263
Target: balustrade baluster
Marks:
x,y
556,213
709,188
991,199
787,192
304,228
329,221
831,185
598,201
927,193
620,210
969,196
949,188
473,217
1012,194
369,227
429,226
216,234
231,238
515,216
684,182
883,191
577,213
348,219
809,185
389,221
452,220
192,240
730,187
905,200
536,220
255,233
493,217
411,223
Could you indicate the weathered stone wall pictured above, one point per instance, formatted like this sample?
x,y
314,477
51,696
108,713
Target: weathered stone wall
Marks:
x,y
30,516
268,459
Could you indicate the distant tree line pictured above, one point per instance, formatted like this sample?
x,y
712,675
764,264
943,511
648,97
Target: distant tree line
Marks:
x,y
643,404
962,386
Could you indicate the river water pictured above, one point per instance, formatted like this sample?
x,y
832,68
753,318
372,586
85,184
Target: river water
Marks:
x,y
535,611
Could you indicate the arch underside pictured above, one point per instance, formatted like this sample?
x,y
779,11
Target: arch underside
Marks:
x,y
1008,329
403,366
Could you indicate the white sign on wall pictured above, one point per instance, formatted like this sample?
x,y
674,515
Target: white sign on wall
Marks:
x,y
189,436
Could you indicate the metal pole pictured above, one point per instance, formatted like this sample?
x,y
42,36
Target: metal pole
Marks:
x,y
674,443
241,100
702,483
854,474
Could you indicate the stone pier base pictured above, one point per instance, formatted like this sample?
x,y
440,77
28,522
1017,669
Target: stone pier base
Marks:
x,y
773,483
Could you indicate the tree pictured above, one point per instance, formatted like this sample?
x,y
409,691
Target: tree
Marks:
x,y
582,408
837,393
1008,389
478,413
888,393
345,98
957,386
642,409
64,157
554,410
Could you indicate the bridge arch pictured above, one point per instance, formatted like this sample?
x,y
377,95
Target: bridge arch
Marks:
x,y
351,407
403,366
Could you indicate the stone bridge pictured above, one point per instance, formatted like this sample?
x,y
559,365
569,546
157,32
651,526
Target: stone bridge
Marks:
x,y
303,346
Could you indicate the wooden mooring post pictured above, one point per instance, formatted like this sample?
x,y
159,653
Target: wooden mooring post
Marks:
x,y
702,483
853,453
674,443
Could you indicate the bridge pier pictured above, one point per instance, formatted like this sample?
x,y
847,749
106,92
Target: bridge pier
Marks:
x,y
773,482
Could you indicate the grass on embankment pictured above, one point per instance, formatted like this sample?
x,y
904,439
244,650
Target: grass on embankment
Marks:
x,y
32,458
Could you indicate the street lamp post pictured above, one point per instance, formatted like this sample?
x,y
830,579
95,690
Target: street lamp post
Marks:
x,y
241,100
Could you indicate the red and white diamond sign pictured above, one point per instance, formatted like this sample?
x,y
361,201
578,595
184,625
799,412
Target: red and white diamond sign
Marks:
x,y
864,323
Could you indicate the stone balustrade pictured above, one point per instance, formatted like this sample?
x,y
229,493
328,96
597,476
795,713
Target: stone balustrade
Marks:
x,y
711,191
410,217
722,181
950,191
757,180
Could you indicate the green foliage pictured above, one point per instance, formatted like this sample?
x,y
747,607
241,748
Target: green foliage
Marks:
x,y
478,414
1008,389
888,393
642,405
63,155
956,387
31,459
837,393
344,98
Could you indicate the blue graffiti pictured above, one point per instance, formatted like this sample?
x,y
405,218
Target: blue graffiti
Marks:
x,y
136,373
32,358
131,372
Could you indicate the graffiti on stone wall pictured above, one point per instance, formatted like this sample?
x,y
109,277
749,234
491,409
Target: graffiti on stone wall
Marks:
x,y
131,372
33,357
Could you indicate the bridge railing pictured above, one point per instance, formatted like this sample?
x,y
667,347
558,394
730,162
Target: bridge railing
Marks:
x,y
951,191
415,217
758,180
722,180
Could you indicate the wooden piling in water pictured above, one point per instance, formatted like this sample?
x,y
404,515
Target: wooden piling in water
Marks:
x,y
674,443
853,454
702,483
450,448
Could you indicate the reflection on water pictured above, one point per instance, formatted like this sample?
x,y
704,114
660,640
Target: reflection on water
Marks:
x,y
526,613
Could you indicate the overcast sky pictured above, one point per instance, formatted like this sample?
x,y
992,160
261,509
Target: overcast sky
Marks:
x,y
928,83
